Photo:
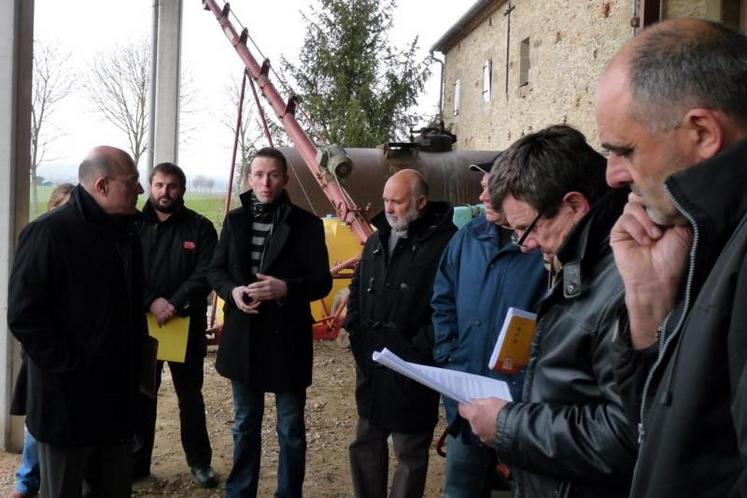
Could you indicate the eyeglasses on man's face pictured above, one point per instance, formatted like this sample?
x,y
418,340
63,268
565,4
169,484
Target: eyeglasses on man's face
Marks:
x,y
129,181
519,241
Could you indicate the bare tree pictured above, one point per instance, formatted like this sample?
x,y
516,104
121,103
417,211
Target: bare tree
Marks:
x,y
51,83
251,136
118,85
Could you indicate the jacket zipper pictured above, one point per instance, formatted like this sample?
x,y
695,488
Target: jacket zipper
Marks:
x,y
664,339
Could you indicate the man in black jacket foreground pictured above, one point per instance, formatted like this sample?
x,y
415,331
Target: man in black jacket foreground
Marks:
x,y
178,245
271,262
568,436
672,111
390,307
76,305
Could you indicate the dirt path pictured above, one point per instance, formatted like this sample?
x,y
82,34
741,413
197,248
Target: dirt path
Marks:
x,y
330,422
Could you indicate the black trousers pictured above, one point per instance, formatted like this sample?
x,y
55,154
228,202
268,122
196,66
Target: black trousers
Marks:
x,y
96,471
187,377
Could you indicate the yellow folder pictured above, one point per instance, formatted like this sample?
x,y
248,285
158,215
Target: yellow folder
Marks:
x,y
171,337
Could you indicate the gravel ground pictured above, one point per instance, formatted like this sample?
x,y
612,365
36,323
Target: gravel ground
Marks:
x,y
330,422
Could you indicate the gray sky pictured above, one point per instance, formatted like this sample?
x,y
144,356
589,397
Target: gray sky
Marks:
x,y
88,27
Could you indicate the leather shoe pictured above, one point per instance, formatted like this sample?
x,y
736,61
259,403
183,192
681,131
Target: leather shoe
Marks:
x,y
205,477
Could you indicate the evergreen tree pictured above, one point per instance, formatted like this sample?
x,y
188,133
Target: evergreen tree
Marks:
x,y
356,89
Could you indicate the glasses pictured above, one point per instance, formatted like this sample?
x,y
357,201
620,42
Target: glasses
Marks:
x,y
131,182
519,241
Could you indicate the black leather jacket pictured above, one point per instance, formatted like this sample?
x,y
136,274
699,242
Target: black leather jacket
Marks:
x,y
694,398
569,436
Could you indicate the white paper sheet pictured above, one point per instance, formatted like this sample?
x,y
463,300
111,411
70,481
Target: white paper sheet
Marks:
x,y
460,386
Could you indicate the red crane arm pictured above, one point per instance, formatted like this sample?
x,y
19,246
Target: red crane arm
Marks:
x,y
340,200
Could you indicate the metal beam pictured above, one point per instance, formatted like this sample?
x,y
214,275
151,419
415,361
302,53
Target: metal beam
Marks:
x,y
16,46
165,90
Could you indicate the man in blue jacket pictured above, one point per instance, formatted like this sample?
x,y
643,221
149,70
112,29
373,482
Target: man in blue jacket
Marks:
x,y
480,276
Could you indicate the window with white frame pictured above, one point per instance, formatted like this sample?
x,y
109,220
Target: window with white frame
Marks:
x,y
457,99
487,79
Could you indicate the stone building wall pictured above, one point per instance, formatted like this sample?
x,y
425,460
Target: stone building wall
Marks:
x,y
570,43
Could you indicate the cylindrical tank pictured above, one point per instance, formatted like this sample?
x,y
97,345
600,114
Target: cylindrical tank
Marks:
x,y
447,173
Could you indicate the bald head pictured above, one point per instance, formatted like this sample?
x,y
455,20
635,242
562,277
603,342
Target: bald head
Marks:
x,y
110,176
405,198
411,179
104,161
681,64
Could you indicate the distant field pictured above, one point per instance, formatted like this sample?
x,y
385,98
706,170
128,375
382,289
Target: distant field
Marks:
x,y
209,205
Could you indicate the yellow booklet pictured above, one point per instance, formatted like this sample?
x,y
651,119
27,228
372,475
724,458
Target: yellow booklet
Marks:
x,y
171,337
511,351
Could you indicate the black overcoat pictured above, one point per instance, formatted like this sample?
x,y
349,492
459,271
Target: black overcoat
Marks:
x,y
271,351
390,307
75,304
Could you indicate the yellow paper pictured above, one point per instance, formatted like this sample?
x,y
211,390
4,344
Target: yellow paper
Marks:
x,y
171,337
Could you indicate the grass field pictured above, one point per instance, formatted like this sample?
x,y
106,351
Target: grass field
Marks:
x,y
210,205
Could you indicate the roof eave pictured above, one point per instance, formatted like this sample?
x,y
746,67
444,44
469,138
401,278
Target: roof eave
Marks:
x,y
476,14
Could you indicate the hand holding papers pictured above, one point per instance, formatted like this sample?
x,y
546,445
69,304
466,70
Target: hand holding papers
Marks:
x,y
171,336
460,386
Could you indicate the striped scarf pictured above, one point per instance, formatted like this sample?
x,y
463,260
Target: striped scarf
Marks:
x,y
262,220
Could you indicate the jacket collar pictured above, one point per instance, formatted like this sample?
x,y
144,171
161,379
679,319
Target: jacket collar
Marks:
x,y
87,206
150,215
485,230
588,242
247,200
119,226
712,193
280,226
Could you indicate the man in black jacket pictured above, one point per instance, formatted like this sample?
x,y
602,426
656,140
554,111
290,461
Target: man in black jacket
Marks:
x,y
672,111
390,307
178,245
75,304
568,436
271,262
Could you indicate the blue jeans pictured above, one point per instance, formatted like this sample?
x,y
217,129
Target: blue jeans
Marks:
x,y
249,406
470,469
27,475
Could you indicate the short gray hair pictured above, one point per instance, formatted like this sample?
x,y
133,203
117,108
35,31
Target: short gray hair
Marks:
x,y
95,166
675,67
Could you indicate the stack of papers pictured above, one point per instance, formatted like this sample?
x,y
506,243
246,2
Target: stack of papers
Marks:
x,y
460,386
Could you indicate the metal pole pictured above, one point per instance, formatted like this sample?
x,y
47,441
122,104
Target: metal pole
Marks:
x,y
261,111
227,206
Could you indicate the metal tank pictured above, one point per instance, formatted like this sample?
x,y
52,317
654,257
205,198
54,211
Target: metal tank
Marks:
x,y
447,174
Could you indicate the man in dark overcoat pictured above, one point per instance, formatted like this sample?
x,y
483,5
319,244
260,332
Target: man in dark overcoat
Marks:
x,y
390,307
270,263
75,304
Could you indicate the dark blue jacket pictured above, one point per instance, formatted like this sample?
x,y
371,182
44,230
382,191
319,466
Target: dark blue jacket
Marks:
x,y
480,276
